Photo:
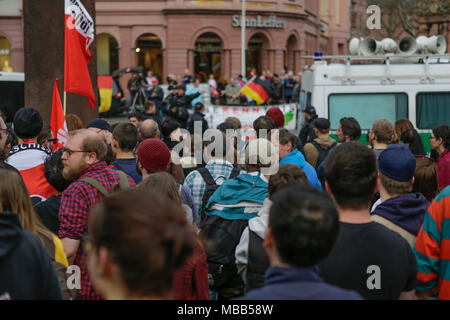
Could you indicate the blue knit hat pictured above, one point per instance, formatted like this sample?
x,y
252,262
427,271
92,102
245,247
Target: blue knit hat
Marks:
x,y
397,162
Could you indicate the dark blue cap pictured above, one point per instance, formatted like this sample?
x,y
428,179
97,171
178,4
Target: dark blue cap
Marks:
x,y
99,124
397,162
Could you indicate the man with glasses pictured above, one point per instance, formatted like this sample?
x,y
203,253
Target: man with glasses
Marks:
x,y
83,158
4,133
28,156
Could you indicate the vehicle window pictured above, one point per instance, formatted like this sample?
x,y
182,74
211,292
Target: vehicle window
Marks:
x,y
432,109
302,100
367,107
308,99
12,98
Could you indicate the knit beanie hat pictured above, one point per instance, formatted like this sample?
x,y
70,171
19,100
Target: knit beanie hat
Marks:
x,y
277,116
153,155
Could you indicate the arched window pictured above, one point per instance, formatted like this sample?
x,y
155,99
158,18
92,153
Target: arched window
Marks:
x,y
107,54
5,55
207,56
149,54
289,54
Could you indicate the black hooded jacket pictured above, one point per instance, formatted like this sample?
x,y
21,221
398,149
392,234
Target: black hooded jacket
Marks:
x,y
26,271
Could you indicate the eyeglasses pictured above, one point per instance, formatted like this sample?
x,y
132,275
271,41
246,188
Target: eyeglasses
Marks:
x,y
52,140
6,132
432,138
70,152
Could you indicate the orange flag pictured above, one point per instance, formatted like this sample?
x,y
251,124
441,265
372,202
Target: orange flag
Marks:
x,y
58,120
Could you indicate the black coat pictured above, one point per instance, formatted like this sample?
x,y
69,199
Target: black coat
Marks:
x,y
197,116
26,271
276,92
307,132
48,211
158,99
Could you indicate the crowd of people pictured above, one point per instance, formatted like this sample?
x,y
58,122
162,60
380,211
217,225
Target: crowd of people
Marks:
x,y
185,91
144,212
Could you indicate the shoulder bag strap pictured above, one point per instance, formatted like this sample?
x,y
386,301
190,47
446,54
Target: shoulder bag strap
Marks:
x,y
206,175
96,184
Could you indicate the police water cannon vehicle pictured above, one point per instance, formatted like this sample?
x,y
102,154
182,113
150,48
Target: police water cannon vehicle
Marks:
x,y
381,79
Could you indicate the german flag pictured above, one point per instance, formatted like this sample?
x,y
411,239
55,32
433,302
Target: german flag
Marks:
x,y
105,86
255,90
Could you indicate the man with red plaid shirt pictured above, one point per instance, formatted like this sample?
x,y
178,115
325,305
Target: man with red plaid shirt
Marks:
x,y
82,158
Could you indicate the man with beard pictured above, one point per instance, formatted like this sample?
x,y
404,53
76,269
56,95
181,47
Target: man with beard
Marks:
x,y
83,158
348,130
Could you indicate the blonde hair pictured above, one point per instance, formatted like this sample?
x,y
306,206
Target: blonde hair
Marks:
x,y
164,184
14,197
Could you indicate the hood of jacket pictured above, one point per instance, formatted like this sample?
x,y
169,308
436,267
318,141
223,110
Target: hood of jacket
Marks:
x,y
325,142
10,232
295,157
407,211
238,198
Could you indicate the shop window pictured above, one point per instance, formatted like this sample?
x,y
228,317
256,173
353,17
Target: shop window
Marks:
x,y
107,54
5,55
149,54
207,56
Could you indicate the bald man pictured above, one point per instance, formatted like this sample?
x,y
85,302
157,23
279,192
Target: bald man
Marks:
x,y
149,129
82,159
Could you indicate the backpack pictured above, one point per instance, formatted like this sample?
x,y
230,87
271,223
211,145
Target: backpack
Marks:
x,y
60,270
220,238
211,187
122,185
323,153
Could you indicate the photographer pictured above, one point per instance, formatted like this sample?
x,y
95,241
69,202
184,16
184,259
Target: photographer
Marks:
x,y
133,87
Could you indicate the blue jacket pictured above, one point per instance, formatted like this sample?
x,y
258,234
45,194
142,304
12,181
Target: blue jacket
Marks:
x,y
231,200
296,157
298,284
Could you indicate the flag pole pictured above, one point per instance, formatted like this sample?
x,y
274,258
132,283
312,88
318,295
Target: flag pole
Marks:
x,y
65,96
243,25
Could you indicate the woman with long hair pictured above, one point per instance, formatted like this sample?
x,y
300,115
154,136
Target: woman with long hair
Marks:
x,y
440,142
191,282
401,125
425,178
14,197
411,138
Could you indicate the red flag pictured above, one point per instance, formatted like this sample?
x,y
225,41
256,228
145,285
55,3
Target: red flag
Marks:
x,y
79,34
58,121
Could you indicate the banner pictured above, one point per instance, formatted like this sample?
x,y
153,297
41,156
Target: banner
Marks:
x,y
58,121
79,34
247,114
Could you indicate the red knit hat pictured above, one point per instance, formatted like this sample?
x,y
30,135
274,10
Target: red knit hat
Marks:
x,y
277,116
153,155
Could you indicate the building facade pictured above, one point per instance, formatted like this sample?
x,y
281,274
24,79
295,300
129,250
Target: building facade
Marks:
x,y
200,36
204,36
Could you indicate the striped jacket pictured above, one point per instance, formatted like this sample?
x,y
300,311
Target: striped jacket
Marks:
x,y
432,249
